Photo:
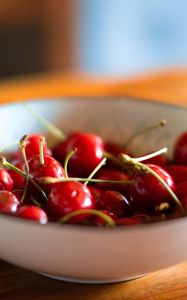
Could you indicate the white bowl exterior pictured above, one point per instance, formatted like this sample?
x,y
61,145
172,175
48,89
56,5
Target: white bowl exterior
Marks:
x,y
93,253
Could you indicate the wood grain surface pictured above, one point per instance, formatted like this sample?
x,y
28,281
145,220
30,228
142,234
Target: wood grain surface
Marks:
x,y
171,283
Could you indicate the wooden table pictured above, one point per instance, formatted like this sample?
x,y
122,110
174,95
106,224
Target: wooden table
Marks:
x,y
171,283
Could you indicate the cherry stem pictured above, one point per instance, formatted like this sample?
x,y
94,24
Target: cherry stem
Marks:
x,y
49,180
162,123
41,150
85,211
151,155
102,163
23,142
8,165
113,158
143,167
66,160
51,128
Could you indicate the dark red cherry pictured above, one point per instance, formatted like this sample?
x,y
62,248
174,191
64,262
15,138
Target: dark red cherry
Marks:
x,y
89,153
50,168
147,192
18,179
8,202
67,197
32,212
177,172
6,182
33,144
180,149
18,193
109,174
116,203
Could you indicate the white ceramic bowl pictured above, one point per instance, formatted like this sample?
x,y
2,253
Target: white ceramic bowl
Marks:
x,y
87,254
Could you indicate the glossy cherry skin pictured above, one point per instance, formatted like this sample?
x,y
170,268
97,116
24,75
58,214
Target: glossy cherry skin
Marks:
x,y
177,172
67,197
32,212
180,149
6,181
116,203
111,174
33,144
50,168
18,179
8,202
116,149
147,192
89,153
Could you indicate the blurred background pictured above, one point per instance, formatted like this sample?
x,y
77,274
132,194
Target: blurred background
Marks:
x,y
107,37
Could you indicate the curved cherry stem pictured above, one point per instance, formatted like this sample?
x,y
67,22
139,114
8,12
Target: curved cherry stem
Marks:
x,y
23,142
143,167
162,123
66,160
109,221
8,165
41,150
151,155
51,128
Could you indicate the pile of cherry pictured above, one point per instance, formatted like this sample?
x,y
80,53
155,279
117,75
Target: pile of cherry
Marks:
x,y
84,180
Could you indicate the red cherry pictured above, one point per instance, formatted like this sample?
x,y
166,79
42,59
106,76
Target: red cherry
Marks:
x,y
181,190
33,213
89,153
134,220
18,179
50,168
116,203
147,191
180,149
177,172
8,202
18,193
67,197
33,144
95,191
6,182
109,174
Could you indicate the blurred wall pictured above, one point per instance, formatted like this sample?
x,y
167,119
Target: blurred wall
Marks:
x,y
133,36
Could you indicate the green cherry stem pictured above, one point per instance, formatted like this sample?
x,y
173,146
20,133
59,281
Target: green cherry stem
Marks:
x,y
94,212
102,163
51,128
162,123
66,160
151,155
23,143
49,180
113,158
143,167
8,165
41,150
